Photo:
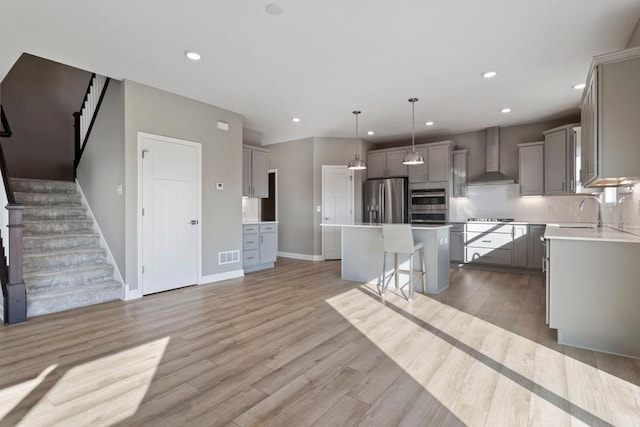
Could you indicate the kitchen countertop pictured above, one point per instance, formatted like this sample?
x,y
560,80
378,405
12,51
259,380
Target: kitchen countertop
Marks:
x,y
259,222
378,225
607,234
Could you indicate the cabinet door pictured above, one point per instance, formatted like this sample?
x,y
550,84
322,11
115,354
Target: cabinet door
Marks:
x,y
536,247
418,173
520,243
588,136
268,247
438,163
260,173
457,247
531,170
376,165
394,163
460,173
555,156
246,172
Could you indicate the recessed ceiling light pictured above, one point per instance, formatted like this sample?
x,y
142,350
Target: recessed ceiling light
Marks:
x,y
295,119
580,86
489,74
274,9
505,110
194,56
370,132
429,123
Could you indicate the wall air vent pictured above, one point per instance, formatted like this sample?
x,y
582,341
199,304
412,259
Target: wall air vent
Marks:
x,y
228,257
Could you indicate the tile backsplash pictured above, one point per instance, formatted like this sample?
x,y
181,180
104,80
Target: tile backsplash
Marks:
x,y
504,201
250,209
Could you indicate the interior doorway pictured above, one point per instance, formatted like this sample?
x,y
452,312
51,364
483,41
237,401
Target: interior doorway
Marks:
x,y
337,207
269,205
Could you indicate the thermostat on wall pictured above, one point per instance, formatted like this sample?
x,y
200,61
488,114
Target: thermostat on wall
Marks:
x,y
223,125
219,186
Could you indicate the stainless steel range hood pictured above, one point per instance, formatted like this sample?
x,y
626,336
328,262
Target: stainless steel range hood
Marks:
x,y
492,175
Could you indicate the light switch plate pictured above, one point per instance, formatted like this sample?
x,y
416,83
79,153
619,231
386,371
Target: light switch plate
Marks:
x,y
219,186
119,189
318,208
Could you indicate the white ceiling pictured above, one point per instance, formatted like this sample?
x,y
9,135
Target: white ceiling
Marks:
x,y
322,59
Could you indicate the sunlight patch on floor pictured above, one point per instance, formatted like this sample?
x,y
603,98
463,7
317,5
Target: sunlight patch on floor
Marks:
x,y
484,374
12,396
100,392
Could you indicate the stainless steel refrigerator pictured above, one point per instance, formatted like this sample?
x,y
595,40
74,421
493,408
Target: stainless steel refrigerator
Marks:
x,y
386,200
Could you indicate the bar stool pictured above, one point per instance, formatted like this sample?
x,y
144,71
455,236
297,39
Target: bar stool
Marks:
x,y
398,239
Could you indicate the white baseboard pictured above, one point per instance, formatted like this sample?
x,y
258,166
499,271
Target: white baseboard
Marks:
x,y
304,257
220,276
130,294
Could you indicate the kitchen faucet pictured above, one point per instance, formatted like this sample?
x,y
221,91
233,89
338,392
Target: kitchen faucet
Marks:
x,y
599,223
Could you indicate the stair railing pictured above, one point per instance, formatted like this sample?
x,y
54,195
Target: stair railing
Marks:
x,y
14,293
86,117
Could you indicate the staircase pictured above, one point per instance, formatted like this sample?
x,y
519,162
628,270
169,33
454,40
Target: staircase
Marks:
x,y
65,266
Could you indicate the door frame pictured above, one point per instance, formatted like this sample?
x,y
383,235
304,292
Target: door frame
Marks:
x,y
198,147
275,178
352,207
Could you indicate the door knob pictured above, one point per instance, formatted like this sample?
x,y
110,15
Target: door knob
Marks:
x,y
193,222
326,218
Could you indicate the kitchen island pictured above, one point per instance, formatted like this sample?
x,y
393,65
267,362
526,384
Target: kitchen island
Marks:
x,y
593,288
362,251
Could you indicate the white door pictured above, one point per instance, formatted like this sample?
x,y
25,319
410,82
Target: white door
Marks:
x,y
170,217
337,207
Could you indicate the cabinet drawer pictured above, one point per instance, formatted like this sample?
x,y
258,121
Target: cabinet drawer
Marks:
x,y
248,229
492,228
268,228
488,256
251,257
250,241
489,240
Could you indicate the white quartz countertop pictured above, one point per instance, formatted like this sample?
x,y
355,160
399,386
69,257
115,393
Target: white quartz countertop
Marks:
x,y
606,234
376,225
259,222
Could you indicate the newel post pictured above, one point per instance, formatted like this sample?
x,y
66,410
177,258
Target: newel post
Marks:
x,y
15,310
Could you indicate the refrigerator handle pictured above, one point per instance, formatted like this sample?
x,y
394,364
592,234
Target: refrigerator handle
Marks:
x,y
381,212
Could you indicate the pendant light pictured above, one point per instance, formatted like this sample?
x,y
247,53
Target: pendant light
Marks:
x,y
357,163
413,158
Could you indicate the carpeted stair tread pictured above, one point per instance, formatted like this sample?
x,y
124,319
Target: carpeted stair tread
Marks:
x,y
54,300
56,242
44,213
66,226
48,199
42,186
63,259
69,277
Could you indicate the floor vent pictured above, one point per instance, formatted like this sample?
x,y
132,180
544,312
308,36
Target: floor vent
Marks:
x,y
228,257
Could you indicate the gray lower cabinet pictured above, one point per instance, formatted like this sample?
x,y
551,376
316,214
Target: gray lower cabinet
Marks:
x,y
259,246
489,244
535,247
456,243
520,245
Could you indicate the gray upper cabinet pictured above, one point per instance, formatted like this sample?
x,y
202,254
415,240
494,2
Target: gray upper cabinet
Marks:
x,y
255,172
439,166
559,160
386,163
531,169
610,124
459,173
418,173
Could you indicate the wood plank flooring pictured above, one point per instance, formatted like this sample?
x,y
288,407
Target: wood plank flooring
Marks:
x,y
298,346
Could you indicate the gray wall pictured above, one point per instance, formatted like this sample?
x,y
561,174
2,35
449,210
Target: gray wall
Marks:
x,y
510,137
294,162
251,137
158,112
101,170
39,97
634,40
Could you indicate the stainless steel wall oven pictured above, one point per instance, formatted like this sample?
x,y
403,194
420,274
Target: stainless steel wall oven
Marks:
x,y
429,206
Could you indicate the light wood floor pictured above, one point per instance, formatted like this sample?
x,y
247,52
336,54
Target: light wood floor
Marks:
x,y
298,346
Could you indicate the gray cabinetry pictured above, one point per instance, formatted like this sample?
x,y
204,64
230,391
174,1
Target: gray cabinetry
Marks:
x,y
419,173
535,252
531,170
387,163
259,246
255,174
610,125
520,246
559,160
439,162
489,244
456,243
459,183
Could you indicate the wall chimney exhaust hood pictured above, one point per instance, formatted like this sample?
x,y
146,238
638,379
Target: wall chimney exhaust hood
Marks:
x,y
492,176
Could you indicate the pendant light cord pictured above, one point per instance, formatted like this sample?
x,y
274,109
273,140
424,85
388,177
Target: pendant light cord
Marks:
x,y
413,123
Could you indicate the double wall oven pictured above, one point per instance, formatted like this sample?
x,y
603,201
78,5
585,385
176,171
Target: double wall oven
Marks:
x,y
429,206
